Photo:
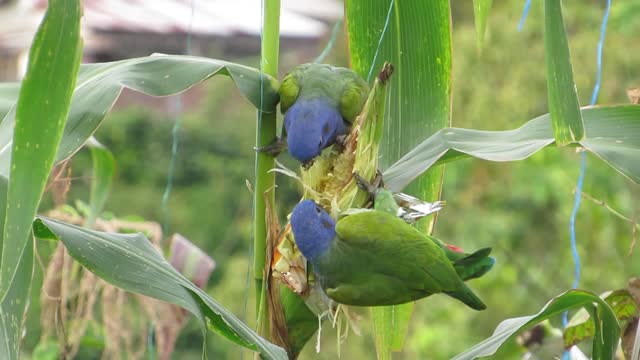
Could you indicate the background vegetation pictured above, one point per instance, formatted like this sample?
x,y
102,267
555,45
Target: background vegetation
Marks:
x,y
520,209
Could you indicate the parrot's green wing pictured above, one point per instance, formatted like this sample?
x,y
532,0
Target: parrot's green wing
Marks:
x,y
388,252
342,87
468,266
382,233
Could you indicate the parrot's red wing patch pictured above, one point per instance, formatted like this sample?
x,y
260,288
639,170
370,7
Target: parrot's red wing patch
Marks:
x,y
454,248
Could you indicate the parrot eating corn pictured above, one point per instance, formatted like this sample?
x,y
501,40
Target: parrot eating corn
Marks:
x,y
319,103
373,258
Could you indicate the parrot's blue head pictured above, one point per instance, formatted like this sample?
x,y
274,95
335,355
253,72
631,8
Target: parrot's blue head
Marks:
x,y
313,229
312,125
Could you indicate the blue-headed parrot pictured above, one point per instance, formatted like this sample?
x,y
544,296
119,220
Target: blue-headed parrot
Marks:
x,y
373,258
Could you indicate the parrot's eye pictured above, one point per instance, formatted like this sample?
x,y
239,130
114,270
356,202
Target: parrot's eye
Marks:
x,y
318,211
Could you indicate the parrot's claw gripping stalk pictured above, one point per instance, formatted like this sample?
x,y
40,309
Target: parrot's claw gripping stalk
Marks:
x,y
370,187
275,148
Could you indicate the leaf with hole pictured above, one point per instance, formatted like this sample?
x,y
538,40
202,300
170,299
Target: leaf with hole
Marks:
x,y
604,346
582,327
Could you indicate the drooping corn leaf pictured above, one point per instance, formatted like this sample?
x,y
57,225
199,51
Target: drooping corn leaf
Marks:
x,y
41,112
415,37
567,121
613,136
481,10
103,171
99,85
604,346
130,262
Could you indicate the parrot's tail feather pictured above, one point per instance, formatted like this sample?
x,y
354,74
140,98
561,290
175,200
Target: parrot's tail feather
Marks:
x,y
474,265
472,258
467,296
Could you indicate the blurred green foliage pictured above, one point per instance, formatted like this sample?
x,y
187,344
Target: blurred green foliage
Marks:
x,y
520,209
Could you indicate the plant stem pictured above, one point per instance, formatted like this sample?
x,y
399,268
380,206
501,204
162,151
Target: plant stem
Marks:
x,y
265,134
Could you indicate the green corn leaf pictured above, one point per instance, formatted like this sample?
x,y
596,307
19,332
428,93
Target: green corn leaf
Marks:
x,y
13,306
417,42
567,121
604,346
104,166
99,85
41,111
481,10
614,136
130,262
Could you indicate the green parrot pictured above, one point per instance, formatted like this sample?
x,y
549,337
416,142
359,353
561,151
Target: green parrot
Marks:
x,y
319,103
468,266
373,258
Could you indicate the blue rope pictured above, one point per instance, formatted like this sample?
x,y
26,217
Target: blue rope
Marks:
x,y
525,12
583,163
384,30
603,32
175,132
332,41
572,229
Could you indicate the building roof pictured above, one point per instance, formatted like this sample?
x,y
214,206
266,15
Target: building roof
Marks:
x,y
298,18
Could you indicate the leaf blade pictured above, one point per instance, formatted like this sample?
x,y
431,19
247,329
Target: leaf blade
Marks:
x,y
568,126
130,262
41,110
103,171
99,85
614,137
481,10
